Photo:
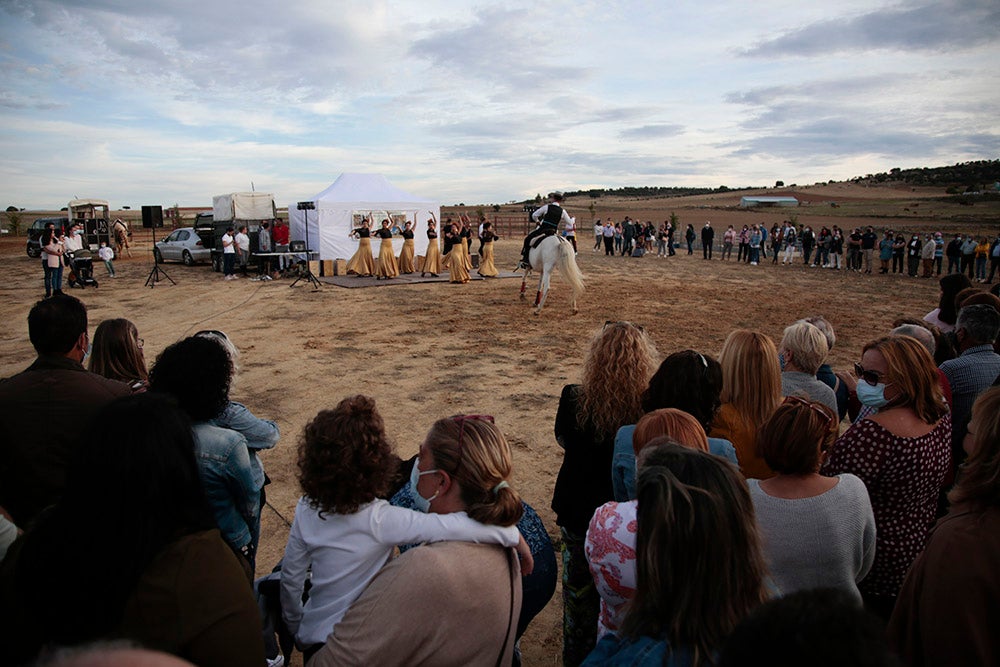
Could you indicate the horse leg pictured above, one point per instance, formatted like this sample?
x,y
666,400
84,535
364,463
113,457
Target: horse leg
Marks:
x,y
543,290
524,280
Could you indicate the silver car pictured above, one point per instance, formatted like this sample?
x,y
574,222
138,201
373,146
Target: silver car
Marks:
x,y
183,245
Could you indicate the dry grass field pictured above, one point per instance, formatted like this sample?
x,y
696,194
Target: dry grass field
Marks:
x,y
431,350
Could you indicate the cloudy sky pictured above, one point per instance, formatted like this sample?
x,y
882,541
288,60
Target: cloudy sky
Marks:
x,y
173,101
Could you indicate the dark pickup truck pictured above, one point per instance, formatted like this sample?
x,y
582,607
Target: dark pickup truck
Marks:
x,y
34,247
211,233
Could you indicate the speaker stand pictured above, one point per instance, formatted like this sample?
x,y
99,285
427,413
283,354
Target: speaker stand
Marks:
x,y
156,274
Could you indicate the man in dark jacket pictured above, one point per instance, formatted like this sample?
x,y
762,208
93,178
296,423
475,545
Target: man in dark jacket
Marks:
x,y
707,239
954,253
44,408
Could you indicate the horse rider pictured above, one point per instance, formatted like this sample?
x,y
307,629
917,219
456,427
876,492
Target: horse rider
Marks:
x,y
548,217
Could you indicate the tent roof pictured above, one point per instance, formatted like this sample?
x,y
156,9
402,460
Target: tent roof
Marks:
x,y
88,202
366,188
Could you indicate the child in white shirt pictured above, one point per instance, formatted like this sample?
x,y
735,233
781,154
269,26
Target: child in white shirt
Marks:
x,y
107,254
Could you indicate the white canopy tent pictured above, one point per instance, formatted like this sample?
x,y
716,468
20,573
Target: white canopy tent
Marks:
x,y
341,207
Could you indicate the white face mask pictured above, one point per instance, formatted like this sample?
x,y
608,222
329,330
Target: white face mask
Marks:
x,y
419,502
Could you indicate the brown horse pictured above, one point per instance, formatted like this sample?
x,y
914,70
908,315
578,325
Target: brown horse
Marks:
x,y
122,232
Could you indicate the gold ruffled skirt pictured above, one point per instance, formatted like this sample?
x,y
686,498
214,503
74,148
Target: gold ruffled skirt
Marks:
x,y
487,268
387,267
456,260
406,257
362,263
432,261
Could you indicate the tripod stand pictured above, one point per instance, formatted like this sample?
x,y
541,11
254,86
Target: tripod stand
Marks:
x,y
305,207
156,271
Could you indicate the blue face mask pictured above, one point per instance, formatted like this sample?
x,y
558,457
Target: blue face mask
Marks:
x,y
781,360
873,397
419,502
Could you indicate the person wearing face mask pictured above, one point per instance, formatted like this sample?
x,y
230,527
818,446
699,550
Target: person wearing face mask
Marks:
x,y
902,453
913,248
954,254
447,603
345,532
43,408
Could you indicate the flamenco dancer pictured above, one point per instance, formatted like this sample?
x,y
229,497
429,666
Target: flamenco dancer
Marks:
x,y
387,267
432,261
455,259
407,253
362,264
548,217
466,236
487,268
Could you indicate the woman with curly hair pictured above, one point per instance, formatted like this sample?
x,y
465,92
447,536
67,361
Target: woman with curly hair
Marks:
x,y
621,359
344,530
902,452
751,392
686,380
117,353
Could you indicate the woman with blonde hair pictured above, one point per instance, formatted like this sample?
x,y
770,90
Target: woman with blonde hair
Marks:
x,y
386,267
432,260
407,253
621,359
902,453
362,263
117,353
610,544
947,606
452,602
751,391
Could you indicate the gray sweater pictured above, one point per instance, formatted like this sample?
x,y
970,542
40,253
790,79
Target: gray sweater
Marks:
x,y
827,541
803,385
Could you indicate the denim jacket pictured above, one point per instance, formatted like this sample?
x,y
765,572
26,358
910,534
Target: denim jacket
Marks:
x,y
643,652
228,478
259,434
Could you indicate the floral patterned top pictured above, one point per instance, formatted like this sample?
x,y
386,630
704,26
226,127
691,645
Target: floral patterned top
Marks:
x,y
610,549
904,477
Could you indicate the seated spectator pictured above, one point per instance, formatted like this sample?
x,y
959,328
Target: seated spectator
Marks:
x,y
819,628
197,372
926,338
975,368
803,348
945,315
825,374
751,390
117,353
688,381
447,603
818,532
260,433
130,551
343,532
902,453
43,408
947,609
699,569
610,545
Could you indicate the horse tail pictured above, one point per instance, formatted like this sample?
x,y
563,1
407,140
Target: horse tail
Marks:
x,y
567,264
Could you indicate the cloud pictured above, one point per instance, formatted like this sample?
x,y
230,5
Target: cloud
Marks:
x,y
651,132
937,27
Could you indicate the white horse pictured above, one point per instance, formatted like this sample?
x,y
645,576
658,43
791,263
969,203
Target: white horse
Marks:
x,y
550,251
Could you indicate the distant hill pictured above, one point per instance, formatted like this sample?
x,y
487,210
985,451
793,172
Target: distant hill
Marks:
x,y
964,176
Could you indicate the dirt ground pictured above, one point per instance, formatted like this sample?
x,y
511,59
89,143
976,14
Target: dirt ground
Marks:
x,y
432,350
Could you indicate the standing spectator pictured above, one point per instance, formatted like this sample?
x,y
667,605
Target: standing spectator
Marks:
x,y
954,254
803,348
43,408
885,252
938,251
950,600
671,251
707,240
743,252
598,234
264,246
107,255
898,252
823,248
946,314
751,390
628,236
52,261
902,453
690,236
994,259
982,254
808,242
197,373
776,233
228,254
610,236
661,241
976,367
728,238
927,256
836,249
825,373
569,231
620,361
618,237
968,256
818,532
755,244
868,241
913,249
854,250
243,248
280,238
788,240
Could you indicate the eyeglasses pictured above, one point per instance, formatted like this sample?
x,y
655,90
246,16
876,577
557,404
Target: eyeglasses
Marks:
x,y
608,323
798,400
871,377
460,420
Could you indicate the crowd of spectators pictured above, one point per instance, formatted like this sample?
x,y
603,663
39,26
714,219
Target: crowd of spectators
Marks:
x,y
727,511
